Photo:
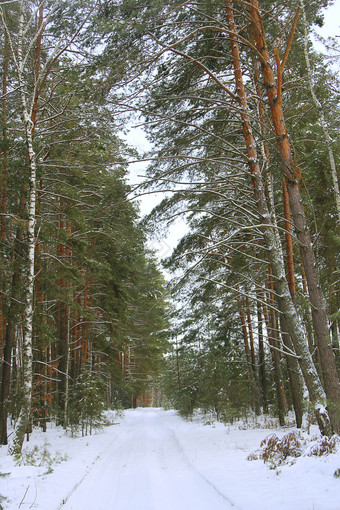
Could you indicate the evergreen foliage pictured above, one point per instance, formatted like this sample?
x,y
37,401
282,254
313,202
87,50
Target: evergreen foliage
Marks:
x,y
98,295
256,296
195,119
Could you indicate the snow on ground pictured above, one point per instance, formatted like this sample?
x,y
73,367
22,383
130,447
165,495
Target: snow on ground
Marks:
x,y
151,459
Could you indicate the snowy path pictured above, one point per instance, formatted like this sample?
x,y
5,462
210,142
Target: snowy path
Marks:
x,y
151,459
144,467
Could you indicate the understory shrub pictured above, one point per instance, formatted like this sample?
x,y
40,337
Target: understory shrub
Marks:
x,y
276,451
87,404
40,456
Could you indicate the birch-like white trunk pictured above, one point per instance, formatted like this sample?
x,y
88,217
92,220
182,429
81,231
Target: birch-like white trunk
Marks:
x,y
24,416
27,348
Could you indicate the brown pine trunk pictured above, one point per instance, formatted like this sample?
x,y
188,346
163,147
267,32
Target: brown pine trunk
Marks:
x,y
251,336
5,141
295,380
284,300
292,175
85,341
63,328
63,350
50,369
296,383
246,339
3,188
289,242
274,341
10,332
76,340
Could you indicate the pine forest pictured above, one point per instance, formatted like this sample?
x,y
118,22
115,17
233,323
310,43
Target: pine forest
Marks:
x,y
240,113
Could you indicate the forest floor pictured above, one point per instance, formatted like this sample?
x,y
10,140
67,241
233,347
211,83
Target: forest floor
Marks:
x,y
151,459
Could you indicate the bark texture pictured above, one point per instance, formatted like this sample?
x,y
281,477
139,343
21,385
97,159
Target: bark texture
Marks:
x,y
27,354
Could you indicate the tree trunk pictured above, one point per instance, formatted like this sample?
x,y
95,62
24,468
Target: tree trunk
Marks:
x,y
289,242
292,174
5,141
296,383
262,365
63,334
274,342
295,378
84,329
247,348
251,336
25,412
5,344
286,306
10,330
24,416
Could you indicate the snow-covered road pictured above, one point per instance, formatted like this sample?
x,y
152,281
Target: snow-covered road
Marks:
x,y
151,459
144,467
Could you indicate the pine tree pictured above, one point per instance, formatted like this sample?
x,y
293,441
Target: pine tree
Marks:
x,y
193,111
89,269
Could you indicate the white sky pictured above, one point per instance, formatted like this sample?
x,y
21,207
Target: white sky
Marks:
x,y
332,21
331,26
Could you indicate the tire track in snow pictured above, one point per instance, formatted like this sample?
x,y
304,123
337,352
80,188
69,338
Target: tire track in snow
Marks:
x,y
200,474
145,468
85,475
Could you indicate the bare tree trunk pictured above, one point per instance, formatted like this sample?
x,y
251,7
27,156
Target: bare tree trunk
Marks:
x,y
24,416
25,412
63,334
10,330
296,383
251,336
247,347
275,343
289,242
262,364
295,379
5,141
5,343
295,376
63,328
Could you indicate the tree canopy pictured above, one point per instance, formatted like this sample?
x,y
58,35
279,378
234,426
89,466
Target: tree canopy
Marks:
x,y
242,116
